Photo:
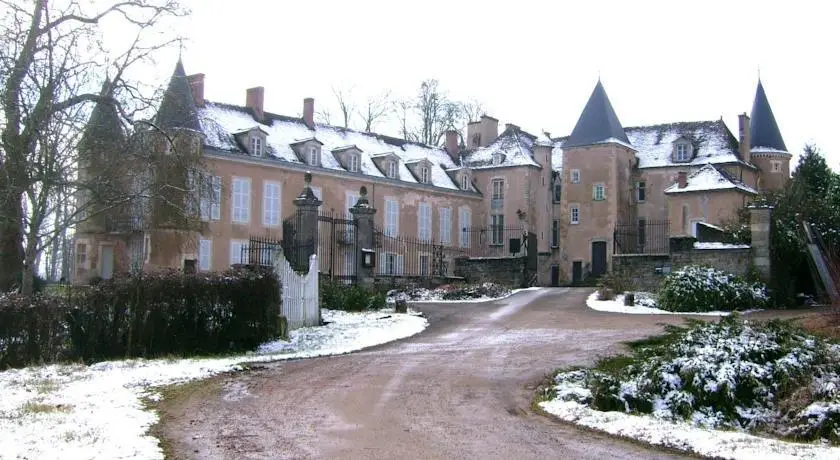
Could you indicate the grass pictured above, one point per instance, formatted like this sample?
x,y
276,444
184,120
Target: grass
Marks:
x,y
46,386
825,325
35,408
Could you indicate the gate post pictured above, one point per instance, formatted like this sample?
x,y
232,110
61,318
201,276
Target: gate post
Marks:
x,y
760,222
363,213
305,239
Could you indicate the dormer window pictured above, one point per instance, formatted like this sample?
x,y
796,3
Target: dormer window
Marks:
x,y
683,152
353,163
465,182
256,146
392,169
498,158
424,175
313,156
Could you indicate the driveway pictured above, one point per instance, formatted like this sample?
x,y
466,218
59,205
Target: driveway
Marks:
x,y
460,389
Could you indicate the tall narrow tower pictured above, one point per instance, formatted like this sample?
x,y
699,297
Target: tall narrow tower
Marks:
x,y
767,148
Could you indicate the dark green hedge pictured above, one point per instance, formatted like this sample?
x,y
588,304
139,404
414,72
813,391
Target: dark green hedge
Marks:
x,y
335,295
151,315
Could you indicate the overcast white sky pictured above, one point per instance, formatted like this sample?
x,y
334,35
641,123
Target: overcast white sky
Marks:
x,y
533,63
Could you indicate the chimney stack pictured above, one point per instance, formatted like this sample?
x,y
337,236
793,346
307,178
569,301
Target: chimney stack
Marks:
x,y
473,135
309,112
254,100
744,137
489,128
197,87
682,179
451,144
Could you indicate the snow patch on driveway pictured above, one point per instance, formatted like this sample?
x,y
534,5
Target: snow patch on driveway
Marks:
x,y
76,411
515,304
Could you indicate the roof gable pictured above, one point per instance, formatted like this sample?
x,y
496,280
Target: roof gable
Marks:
x,y
709,178
764,132
598,122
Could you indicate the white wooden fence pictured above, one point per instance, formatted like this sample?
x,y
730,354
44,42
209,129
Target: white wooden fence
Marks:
x,y
299,293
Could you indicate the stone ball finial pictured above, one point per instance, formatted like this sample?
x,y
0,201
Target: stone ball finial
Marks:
x,y
307,177
363,191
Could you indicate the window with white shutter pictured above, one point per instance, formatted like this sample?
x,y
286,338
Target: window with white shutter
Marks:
x,y
446,225
424,221
271,203
392,217
464,224
241,202
205,254
238,250
216,203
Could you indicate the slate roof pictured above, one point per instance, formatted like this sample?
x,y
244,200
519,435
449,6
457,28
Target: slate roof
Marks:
x,y
764,132
220,121
598,122
712,141
516,146
178,110
104,125
710,178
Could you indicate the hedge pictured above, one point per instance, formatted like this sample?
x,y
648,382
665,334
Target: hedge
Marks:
x,y
152,315
701,289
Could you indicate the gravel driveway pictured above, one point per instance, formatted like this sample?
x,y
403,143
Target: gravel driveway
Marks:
x,y
461,389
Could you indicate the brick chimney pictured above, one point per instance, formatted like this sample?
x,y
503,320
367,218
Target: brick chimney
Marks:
x,y
309,112
254,100
451,144
744,137
473,135
489,128
197,87
682,179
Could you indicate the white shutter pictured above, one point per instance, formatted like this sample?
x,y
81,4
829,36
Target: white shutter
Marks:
x,y
241,200
399,265
424,221
392,218
205,254
216,204
271,204
464,222
446,225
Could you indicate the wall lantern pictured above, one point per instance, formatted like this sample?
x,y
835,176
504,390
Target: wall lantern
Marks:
x,y
368,258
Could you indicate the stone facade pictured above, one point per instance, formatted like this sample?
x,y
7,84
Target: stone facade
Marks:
x,y
648,271
508,271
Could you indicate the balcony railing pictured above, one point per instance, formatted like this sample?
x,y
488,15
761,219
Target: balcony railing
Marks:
x,y
124,224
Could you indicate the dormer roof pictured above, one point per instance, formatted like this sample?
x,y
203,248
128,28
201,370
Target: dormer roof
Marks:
x,y
764,132
598,122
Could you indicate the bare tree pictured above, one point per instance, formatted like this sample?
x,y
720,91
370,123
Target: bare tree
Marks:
x,y
52,60
472,110
346,105
376,109
323,116
404,112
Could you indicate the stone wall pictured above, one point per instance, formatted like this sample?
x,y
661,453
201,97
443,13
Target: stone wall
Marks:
x,y
648,271
507,271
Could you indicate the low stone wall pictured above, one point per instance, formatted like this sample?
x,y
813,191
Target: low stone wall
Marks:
x,y
647,271
507,271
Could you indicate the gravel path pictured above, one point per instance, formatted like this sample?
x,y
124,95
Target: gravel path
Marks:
x,y
460,389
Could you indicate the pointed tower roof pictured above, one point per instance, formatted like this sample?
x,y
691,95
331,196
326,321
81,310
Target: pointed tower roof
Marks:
x,y
104,127
178,108
598,122
764,132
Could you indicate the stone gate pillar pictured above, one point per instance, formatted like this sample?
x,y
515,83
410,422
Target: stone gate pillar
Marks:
x,y
363,214
760,221
304,240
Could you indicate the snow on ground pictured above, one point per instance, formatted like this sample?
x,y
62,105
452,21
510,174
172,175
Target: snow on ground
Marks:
x,y
684,436
645,305
434,296
713,245
80,412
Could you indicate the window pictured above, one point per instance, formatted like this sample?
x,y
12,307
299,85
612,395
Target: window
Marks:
x,y
81,255
216,203
424,221
353,162
424,175
776,166
271,204
598,193
497,196
238,251
424,265
464,223
555,233
313,156
391,264
256,146
241,200
392,217
558,191
497,158
205,254
640,191
392,169
574,214
497,228
445,225
683,152
575,176
465,182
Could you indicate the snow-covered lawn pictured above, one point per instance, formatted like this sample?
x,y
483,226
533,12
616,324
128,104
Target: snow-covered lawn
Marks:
x,y
472,294
80,412
645,305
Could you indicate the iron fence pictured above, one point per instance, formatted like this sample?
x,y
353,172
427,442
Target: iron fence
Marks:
x,y
643,237
407,256
260,251
492,241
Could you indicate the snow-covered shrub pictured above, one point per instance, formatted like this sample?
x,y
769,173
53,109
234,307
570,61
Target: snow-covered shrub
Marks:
x,y
701,289
477,291
769,378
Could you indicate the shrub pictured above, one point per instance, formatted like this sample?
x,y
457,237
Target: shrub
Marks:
x,y
475,292
32,330
340,296
618,281
700,289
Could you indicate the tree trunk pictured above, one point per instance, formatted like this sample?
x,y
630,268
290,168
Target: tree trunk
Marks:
x,y
11,238
30,265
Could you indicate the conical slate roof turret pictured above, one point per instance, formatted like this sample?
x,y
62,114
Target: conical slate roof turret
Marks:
x,y
598,122
764,132
178,108
104,131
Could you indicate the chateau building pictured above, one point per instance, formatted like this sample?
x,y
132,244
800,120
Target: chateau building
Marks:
x,y
572,193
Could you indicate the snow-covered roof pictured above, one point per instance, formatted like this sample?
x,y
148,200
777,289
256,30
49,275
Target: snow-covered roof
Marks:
x,y
515,145
710,178
219,122
712,141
